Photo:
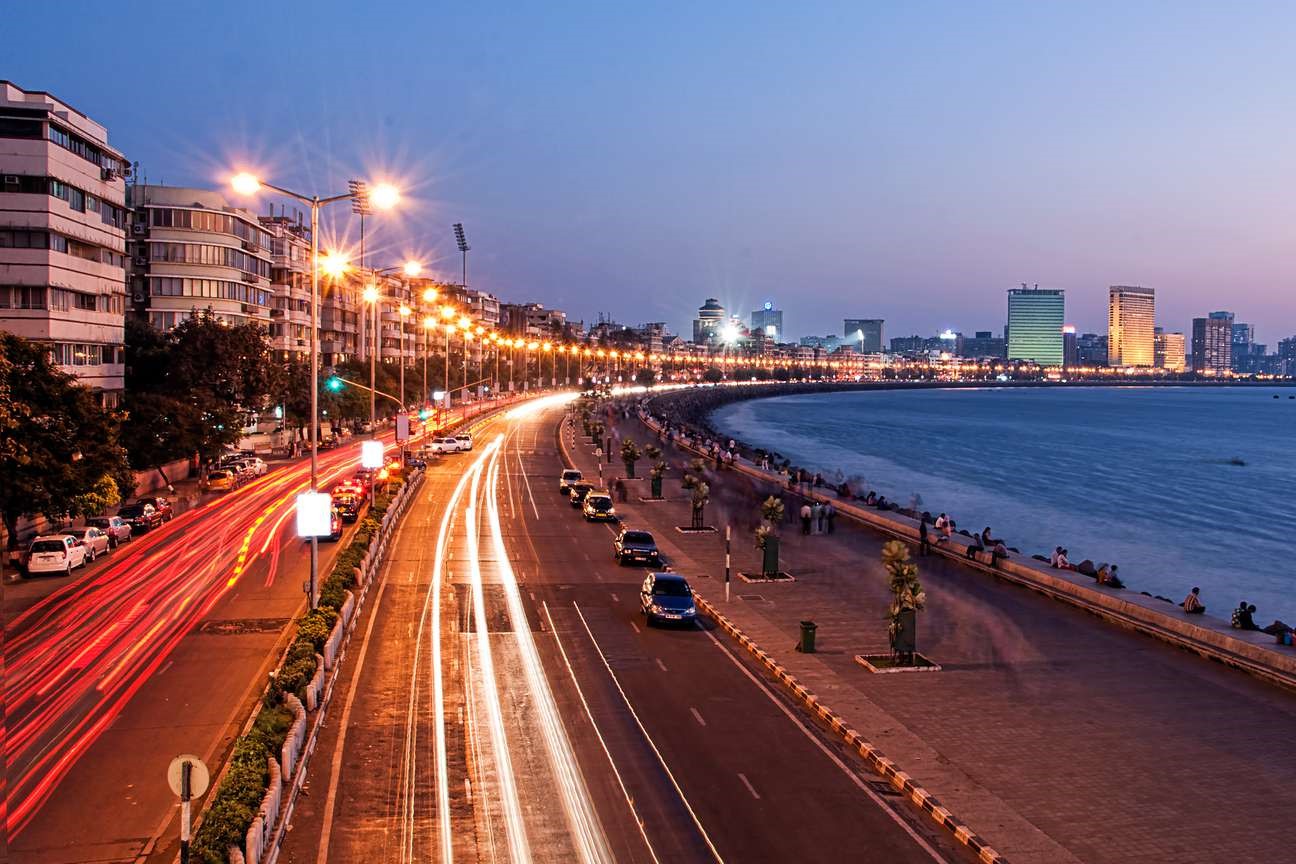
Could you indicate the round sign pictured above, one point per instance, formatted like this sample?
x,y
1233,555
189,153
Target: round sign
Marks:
x,y
198,776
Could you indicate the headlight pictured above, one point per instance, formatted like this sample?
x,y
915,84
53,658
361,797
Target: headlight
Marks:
x,y
656,608
692,610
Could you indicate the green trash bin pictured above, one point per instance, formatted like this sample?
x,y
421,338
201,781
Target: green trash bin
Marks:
x,y
806,644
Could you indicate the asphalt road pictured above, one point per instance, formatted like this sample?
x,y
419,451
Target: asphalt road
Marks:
x,y
562,728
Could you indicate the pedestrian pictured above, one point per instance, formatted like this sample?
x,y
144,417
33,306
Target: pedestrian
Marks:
x,y
1192,603
818,518
924,548
806,514
830,513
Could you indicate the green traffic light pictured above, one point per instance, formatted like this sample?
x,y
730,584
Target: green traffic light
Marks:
x,y
334,384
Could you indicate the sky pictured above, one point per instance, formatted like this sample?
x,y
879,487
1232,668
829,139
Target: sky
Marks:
x,y
907,161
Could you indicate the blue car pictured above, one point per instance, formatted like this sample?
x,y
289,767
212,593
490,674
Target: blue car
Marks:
x,y
667,597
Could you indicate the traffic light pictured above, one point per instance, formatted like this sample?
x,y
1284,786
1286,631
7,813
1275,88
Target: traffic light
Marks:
x,y
424,413
334,383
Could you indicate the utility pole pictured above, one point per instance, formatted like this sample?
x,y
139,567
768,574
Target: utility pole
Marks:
x,y
462,241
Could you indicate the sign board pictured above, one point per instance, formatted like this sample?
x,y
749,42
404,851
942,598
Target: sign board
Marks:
x,y
198,776
402,427
371,454
314,514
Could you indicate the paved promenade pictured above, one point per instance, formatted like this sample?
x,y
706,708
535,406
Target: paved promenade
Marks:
x,y
1054,735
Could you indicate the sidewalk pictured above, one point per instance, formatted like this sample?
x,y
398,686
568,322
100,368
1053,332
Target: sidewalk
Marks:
x,y
1053,735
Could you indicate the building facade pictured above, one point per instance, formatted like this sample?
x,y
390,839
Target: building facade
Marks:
x,y
1212,343
710,319
1131,326
63,237
768,321
1035,319
983,344
1170,354
290,287
864,334
191,252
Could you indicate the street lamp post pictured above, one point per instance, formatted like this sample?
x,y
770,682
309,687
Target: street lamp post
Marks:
x,y
372,296
428,323
405,312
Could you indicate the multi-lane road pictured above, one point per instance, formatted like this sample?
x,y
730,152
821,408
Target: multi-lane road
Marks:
x,y
506,702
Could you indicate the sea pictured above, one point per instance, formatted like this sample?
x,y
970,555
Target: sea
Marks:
x,y
1179,486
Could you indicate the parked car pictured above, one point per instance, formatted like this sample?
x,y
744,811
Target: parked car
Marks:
x,y
256,465
142,517
335,526
222,480
160,504
95,541
598,507
465,441
667,597
445,445
577,491
566,478
633,547
327,443
117,528
55,553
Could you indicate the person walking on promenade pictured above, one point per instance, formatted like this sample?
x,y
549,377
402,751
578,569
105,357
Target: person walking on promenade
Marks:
x,y
1192,603
806,514
817,512
924,548
830,513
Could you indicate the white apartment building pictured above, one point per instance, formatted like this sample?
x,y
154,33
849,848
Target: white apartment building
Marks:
x,y
63,236
290,286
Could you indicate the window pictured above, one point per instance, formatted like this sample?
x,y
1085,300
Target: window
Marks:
x,y
18,127
22,296
88,302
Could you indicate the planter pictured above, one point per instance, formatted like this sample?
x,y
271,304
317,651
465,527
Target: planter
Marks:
x,y
630,475
904,641
657,487
770,556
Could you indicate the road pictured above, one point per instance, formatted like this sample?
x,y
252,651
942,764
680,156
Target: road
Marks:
x,y
508,703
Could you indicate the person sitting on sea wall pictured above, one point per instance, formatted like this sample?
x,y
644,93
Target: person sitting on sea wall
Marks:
x,y
946,531
1192,603
1063,563
975,546
998,552
1053,558
1242,617
1107,576
988,539
871,498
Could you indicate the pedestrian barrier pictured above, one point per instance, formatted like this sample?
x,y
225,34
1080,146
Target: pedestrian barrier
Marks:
x,y
263,824
334,642
315,688
296,735
348,607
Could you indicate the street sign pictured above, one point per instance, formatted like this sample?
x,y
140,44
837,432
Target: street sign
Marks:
x,y
371,454
314,514
198,776
402,427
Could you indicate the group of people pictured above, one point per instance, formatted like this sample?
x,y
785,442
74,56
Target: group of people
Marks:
x,y
817,518
1103,574
1244,619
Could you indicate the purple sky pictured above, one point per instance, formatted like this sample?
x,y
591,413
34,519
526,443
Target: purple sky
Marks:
x,y
904,161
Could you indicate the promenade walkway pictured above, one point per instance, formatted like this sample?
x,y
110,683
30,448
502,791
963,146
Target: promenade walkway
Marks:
x,y
1056,736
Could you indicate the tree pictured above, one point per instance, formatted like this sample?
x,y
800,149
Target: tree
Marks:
x,y
658,470
652,451
907,599
630,455
701,495
767,539
645,377
713,375
59,453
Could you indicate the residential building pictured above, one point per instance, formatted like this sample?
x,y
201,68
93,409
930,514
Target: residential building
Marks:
x,y
1287,356
290,286
1035,319
531,320
768,321
190,251
1212,342
1091,350
63,241
864,334
1070,347
1131,324
1243,339
983,345
710,319
830,342
1169,351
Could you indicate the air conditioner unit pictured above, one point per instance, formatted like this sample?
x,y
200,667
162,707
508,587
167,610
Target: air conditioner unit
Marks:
x,y
139,229
141,262
109,173
139,297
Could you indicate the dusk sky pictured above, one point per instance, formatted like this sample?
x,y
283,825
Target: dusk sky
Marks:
x,y
908,161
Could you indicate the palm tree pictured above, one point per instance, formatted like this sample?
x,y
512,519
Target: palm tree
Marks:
x,y
630,455
701,494
907,599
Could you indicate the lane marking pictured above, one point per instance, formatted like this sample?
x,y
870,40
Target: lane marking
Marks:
x,y
527,481
661,665
644,731
635,626
748,784
697,716
833,757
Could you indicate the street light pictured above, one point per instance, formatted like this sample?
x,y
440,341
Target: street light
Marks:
x,y
428,323
371,295
247,185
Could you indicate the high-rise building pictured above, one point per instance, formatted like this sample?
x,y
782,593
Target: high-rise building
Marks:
x,y
768,321
1070,347
1212,342
1131,322
709,320
1287,356
1091,349
1169,351
983,345
864,333
63,238
1243,338
1035,319
190,251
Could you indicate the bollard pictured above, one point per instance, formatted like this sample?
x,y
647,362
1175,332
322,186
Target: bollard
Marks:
x,y
806,644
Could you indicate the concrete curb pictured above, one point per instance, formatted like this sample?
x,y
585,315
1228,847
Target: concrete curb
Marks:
x,y
871,754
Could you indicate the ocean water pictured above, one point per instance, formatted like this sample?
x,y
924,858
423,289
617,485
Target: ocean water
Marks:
x,y
1137,476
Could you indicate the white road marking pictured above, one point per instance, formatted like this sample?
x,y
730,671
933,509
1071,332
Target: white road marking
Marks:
x,y
748,784
615,598
697,716
661,665
635,626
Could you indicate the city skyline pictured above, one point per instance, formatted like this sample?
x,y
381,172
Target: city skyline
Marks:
x,y
895,230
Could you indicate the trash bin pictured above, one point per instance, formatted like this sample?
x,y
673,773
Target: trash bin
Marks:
x,y
806,644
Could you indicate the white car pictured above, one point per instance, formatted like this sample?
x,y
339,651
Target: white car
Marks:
x,y
258,466
445,445
95,541
465,441
55,553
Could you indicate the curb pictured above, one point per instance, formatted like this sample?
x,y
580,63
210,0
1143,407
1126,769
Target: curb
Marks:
x,y
871,754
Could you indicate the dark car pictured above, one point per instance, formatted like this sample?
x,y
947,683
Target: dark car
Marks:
x,y
142,517
667,597
117,528
634,547
576,492
598,507
160,504
414,461
327,443
348,506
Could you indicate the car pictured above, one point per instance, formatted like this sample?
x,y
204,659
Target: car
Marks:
x,y
566,478
445,445
256,465
327,443
117,528
55,553
349,487
348,506
577,491
632,546
141,517
667,597
160,504
415,462
598,507
222,480
95,541
465,441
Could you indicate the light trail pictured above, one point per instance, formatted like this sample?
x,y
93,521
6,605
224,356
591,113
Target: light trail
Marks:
x,y
582,819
